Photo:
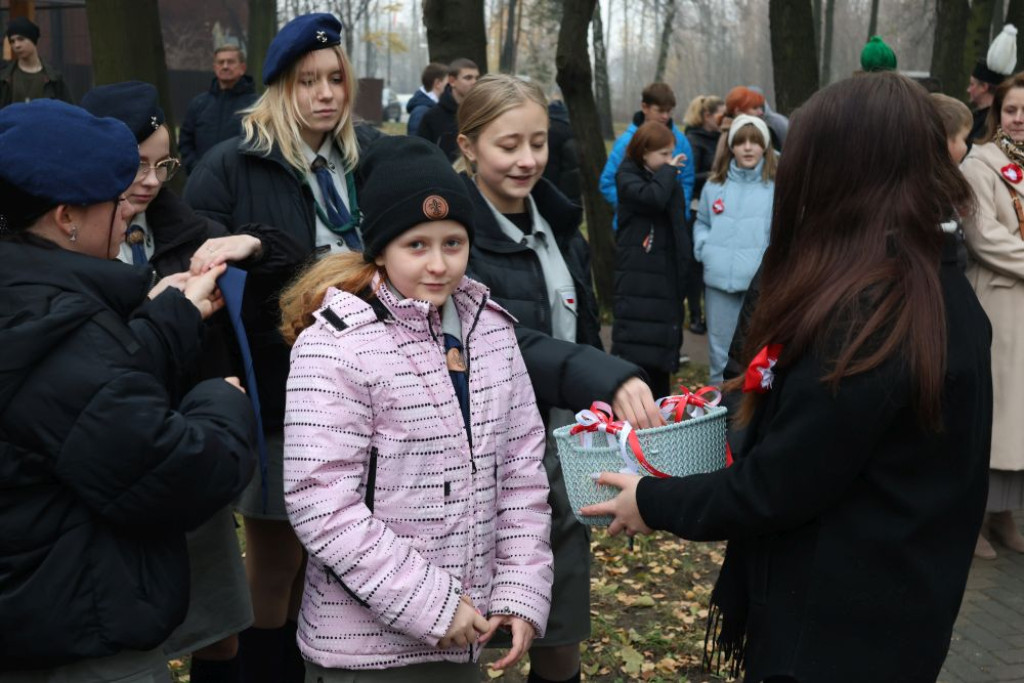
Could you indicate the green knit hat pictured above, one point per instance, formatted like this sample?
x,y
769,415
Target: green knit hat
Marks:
x,y
877,56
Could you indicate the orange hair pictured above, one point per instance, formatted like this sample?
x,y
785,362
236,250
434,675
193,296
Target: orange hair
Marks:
x,y
741,99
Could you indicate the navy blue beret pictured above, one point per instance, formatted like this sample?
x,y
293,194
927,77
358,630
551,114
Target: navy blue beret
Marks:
x,y
299,36
135,103
57,153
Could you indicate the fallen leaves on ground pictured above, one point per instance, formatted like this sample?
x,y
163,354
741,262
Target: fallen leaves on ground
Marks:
x,y
648,610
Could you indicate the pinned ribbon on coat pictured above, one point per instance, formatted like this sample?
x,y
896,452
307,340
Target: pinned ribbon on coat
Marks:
x,y
761,371
686,404
599,418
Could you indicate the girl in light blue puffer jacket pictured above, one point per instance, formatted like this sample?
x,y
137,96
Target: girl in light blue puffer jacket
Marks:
x,y
731,233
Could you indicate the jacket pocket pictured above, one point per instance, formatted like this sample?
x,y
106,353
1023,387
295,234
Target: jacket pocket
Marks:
x,y
330,576
371,479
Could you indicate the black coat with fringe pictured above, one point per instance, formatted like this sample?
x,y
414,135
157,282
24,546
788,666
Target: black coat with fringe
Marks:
x,y
851,528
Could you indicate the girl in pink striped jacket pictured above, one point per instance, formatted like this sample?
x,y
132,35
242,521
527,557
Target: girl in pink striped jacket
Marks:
x,y
413,445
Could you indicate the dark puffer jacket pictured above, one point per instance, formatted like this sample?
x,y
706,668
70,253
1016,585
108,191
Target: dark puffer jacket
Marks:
x,y
102,475
213,117
238,186
417,106
235,185
178,232
652,258
564,375
704,144
440,124
563,168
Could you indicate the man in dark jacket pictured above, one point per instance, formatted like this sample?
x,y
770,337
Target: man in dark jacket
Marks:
x,y
28,77
212,116
423,100
440,124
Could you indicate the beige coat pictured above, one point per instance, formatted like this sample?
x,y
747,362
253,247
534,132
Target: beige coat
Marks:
x,y
996,271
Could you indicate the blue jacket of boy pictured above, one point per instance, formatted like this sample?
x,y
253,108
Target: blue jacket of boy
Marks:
x,y
618,153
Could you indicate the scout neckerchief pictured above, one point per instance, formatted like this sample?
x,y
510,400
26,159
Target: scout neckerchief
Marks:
x,y
1012,173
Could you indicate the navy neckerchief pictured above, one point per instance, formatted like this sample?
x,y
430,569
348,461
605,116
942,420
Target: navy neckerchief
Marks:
x,y
232,287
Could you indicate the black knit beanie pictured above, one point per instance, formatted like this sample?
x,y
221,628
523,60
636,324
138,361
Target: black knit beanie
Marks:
x,y
405,181
20,26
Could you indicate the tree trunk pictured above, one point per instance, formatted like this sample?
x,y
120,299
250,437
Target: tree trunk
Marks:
x,y
127,46
507,62
977,39
666,40
794,63
998,14
602,90
948,47
826,47
816,13
1015,16
574,77
262,28
455,28
873,22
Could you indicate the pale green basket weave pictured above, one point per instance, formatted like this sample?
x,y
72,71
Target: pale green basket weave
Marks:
x,y
692,446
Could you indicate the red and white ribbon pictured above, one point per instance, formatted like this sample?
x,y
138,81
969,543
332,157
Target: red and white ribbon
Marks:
x,y
691,404
761,371
599,418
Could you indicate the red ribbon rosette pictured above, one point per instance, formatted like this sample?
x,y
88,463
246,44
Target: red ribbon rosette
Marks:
x,y
761,371
718,206
599,418
1013,173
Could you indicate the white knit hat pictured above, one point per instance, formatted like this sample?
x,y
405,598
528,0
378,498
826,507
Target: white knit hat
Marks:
x,y
1002,54
756,122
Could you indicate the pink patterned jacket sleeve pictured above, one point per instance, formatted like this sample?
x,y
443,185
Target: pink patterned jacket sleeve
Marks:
x,y
524,567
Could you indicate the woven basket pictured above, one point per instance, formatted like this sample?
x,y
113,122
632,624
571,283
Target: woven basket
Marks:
x,y
692,446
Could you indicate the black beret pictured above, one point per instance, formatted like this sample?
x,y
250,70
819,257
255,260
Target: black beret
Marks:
x,y
55,153
20,26
407,181
299,36
135,103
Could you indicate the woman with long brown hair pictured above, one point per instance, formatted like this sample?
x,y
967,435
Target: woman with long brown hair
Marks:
x,y
852,512
995,240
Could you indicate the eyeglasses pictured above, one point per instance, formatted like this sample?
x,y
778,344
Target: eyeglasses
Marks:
x,y
164,170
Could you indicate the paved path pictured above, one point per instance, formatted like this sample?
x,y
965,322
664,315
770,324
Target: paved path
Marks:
x,y
988,639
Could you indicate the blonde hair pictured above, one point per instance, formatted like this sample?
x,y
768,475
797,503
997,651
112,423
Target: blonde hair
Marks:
x,y
347,271
724,155
699,107
492,96
275,118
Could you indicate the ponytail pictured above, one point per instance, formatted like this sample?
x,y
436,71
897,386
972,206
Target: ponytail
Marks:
x,y
347,272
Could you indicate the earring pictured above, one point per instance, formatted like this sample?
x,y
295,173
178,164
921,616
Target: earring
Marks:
x,y
74,233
